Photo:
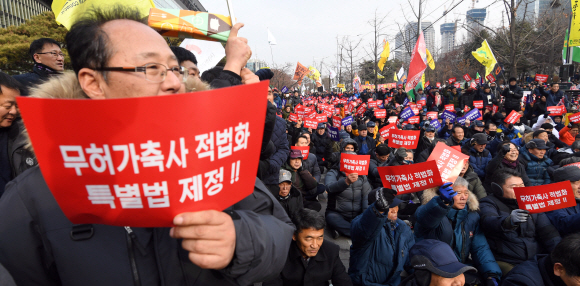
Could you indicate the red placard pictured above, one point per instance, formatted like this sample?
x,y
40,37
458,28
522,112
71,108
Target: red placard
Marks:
x,y
386,131
450,107
452,80
358,164
372,104
541,78
466,108
310,123
293,117
304,149
414,120
321,118
556,110
361,110
130,168
449,161
575,118
438,85
327,113
410,178
308,110
488,107
379,102
381,113
457,85
466,77
490,78
336,122
311,115
478,104
415,110
512,117
545,198
432,115
494,109
473,84
421,102
392,119
404,138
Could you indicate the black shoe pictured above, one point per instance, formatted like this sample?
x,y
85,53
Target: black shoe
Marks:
x,y
334,234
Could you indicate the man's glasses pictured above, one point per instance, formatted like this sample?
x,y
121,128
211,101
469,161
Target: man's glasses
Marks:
x,y
153,72
54,54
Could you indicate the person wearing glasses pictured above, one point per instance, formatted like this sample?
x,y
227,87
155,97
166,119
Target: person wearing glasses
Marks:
x,y
48,60
513,234
115,55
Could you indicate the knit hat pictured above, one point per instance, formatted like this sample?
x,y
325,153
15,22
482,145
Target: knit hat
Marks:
x,y
383,150
571,173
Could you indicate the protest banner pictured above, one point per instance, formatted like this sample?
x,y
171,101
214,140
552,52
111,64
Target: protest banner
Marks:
x,y
410,178
472,115
490,78
381,113
541,78
347,121
545,198
379,102
556,110
293,117
432,115
478,104
404,138
473,85
438,85
414,120
336,122
466,77
321,118
494,109
284,89
310,123
407,113
575,118
359,164
333,133
449,161
448,115
385,131
361,110
421,103
311,115
465,108
415,110
457,85
304,149
512,117
452,80
450,107
488,108
372,104
328,113
392,119
130,168
435,124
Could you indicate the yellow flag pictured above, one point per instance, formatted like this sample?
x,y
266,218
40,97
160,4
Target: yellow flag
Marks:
x,y
485,56
384,55
67,12
574,38
423,76
430,60
314,73
395,77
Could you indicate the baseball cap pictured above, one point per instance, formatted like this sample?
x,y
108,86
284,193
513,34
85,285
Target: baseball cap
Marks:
x,y
370,124
295,154
480,138
285,176
438,258
479,123
321,126
537,144
430,129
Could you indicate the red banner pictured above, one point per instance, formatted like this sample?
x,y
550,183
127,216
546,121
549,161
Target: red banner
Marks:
x,y
478,104
512,117
545,198
575,118
293,117
541,78
432,115
473,85
311,115
361,110
449,161
414,120
495,108
130,168
452,80
385,131
381,113
358,164
404,138
310,123
490,78
336,122
465,108
372,104
457,85
450,107
411,178
438,85
321,118
392,119
556,110
304,149
466,77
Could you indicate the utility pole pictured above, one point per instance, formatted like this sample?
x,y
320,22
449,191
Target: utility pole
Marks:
x,y
419,21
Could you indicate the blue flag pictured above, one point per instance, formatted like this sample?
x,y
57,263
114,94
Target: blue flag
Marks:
x,y
472,114
284,89
333,132
435,124
347,121
448,114
406,101
407,113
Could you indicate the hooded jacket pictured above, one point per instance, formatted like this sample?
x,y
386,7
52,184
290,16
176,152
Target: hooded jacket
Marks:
x,y
40,246
567,220
458,228
536,169
323,145
379,250
479,161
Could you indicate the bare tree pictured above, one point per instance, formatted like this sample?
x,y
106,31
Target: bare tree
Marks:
x,y
375,47
350,55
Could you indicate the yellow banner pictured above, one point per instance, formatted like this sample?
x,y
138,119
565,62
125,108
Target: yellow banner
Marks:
x,y
485,56
574,38
67,12
341,85
430,60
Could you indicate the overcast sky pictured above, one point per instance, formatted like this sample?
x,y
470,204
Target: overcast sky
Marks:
x,y
306,31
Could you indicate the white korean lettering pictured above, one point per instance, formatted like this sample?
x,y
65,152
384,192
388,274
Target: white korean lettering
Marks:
x,y
152,157
100,195
77,162
241,137
156,190
103,156
179,161
129,196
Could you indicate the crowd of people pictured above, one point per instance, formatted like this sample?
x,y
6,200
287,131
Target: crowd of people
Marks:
x,y
468,232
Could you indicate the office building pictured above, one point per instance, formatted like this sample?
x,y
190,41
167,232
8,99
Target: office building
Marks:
x,y
405,41
448,31
16,12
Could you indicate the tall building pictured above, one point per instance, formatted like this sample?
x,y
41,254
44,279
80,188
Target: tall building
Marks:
x,y
254,65
535,9
528,9
476,19
405,41
16,12
448,31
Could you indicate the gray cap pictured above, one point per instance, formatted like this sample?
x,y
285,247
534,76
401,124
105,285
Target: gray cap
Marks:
x,y
285,176
537,144
480,138
566,173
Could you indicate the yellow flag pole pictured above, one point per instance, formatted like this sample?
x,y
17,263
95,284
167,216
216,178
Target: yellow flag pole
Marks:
x,y
231,10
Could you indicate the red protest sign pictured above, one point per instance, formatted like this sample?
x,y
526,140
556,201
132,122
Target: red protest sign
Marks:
x,y
130,168
457,85
541,78
404,138
372,104
452,80
385,131
361,110
478,104
495,108
336,122
311,115
327,113
487,107
490,78
392,119
575,118
304,149
310,123
293,117
512,117
450,107
432,115
381,113
321,118
473,85
379,102
438,84
414,120
466,77
449,161
556,110
421,102
465,108
351,164
545,198
410,178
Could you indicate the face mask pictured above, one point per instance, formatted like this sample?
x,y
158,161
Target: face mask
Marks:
x,y
408,162
492,133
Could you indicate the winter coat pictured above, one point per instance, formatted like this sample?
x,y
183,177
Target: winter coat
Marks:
x,y
20,156
566,137
508,134
458,228
475,185
538,271
552,99
40,73
566,220
347,200
311,165
291,203
374,176
467,99
479,161
40,246
276,161
323,144
302,180
379,249
512,100
278,102
452,142
496,165
423,143
536,169
326,265
371,144
517,244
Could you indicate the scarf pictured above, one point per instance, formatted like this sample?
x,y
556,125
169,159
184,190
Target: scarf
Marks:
x,y
511,165
43,70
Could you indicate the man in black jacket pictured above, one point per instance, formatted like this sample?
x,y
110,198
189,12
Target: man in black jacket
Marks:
x,y
311,260
513,96
48,60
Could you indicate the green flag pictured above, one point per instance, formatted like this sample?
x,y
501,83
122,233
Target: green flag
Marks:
x,y
564,49
411,94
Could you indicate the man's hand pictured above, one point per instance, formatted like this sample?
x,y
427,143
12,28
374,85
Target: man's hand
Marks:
x,y
248,76
299,123
209,236
351,178
467,122
237,50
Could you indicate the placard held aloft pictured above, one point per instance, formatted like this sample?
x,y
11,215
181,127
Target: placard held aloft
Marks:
x,y
359,164
545,198
410,178
449,161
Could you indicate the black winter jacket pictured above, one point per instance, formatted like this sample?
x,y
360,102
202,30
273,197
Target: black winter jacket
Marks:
x,y
512,100
282,152
347,200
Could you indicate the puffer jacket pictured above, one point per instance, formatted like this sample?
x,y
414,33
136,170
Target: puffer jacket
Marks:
x,y
371,144
311,165
513,100
347,200
479,161
458,228
496,165
566,220
515,245
20,154
374,177
334,161
538,271
302,180
507,133
380,249
276,161
323,145
291,203
475,185
536,169
552,99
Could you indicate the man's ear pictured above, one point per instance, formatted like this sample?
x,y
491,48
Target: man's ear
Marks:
x,y
36,58
91,82
559,269
294,237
